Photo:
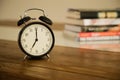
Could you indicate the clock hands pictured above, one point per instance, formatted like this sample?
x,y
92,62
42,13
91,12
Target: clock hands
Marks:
x,y
36,39
36,34
34,44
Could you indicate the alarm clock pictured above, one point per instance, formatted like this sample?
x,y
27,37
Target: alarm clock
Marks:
x,y
36,38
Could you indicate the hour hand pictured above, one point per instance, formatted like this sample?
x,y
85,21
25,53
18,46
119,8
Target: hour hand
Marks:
x,y
34,43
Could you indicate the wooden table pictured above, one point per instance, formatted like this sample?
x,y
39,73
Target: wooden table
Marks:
x,y
65,63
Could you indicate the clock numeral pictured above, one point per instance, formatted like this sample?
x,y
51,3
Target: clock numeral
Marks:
x,y
23,40
47,45
31,30
48,39
36,51
26,45
46,33
43,49
26,34
41,30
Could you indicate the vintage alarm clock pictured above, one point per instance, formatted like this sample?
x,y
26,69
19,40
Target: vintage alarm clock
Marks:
x,y
35,39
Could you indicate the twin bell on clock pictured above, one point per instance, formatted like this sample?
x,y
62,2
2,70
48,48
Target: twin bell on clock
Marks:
x,y
27,18
35,39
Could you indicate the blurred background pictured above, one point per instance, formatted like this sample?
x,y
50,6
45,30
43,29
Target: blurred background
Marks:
x,y
56,9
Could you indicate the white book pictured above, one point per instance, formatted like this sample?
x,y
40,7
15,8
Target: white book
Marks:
x,y
100,38
93,22
74,28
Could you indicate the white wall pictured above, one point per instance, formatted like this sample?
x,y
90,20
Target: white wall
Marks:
x,y
55,9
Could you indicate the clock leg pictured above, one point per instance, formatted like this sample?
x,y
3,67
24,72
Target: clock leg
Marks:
x,y
48,56
25,57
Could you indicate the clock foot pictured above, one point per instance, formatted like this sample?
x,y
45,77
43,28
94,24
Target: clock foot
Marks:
x,y
25,57
48,56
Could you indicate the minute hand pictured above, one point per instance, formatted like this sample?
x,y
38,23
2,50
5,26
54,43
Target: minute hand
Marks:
x,y
36,34
36,39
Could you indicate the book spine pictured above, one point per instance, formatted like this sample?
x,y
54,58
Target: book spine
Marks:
x,y
78,28
117,37
73,28
99,22
100,28
93,22
98,34
91,36
102,14
95,14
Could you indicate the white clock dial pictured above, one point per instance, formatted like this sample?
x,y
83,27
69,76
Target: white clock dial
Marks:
x,y
36,39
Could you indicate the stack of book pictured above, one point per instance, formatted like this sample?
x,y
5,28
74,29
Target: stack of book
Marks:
x,y
89,25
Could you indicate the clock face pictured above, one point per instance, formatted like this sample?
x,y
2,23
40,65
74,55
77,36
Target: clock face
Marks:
x,y
36,39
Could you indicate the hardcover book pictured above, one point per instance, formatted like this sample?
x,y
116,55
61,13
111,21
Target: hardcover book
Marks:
x,y
102,28
94,14
91,36
93,22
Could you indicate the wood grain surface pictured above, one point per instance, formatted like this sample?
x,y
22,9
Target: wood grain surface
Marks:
x,y
65,63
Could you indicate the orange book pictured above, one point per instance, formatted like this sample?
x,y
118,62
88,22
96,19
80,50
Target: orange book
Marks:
x,y
98,34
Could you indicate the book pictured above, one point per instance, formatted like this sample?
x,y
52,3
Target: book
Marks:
x,y
100,38
93,22
91,36
98,34
95,14
93,25
74,36
73,28
100,42
78,28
